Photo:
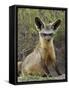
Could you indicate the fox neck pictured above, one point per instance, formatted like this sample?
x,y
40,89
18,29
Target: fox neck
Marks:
x,y
47,51
45,44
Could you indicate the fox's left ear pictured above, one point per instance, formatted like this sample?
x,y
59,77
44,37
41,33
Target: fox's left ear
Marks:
x,y
56,24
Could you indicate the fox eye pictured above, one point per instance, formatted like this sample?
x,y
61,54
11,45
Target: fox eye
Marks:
x,y
44,34
51,34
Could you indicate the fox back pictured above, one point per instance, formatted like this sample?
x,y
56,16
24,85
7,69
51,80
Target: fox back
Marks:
x,y
44,53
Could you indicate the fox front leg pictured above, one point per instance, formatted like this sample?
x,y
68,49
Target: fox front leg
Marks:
x,y
57,69
46,71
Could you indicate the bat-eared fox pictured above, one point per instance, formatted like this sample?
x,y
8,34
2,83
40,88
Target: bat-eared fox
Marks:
x,y
43,56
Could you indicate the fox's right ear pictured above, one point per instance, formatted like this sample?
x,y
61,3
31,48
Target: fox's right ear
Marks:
x,y
39,23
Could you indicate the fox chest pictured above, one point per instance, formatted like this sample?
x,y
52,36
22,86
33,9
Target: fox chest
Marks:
x,y
48,55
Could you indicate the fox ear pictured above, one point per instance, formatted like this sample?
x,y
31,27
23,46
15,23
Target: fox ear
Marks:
x,y
39,23
56,24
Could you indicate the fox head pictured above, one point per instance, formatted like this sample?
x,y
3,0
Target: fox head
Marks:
x,y
47,32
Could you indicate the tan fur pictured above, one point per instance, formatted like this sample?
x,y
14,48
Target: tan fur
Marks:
x,y
19,64
43,55
47,51
33,63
